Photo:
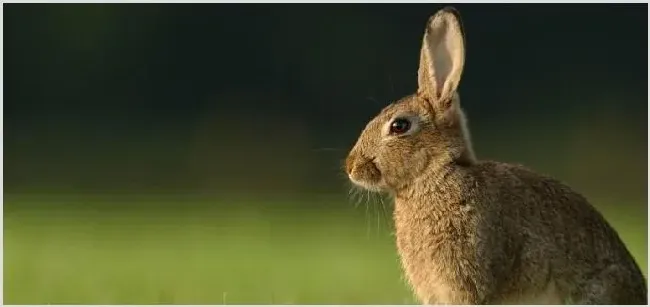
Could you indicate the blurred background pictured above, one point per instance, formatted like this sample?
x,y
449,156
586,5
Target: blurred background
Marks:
x,y
191,153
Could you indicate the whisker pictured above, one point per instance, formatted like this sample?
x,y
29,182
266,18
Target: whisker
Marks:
x,y
386,214
368,223
359,197
327,149
377,211
373,100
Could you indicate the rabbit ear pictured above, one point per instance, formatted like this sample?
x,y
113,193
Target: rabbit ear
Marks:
x,y
442,57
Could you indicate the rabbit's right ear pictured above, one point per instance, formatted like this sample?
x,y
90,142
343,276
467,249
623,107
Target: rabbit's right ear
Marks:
x,y
442,58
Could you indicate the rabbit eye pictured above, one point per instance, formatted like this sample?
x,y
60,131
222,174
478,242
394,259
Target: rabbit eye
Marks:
x,y
400,126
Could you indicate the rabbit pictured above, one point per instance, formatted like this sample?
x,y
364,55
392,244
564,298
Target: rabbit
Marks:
x,y
470,231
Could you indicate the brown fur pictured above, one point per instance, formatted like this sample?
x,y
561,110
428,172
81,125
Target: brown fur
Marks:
x,y
483,232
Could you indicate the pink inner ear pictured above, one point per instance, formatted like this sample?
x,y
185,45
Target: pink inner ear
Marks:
x,y
442,65
446,51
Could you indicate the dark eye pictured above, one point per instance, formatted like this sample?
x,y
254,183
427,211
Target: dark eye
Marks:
x,y
400,125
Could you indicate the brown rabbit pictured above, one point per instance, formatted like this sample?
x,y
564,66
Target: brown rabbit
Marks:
x,y
482,232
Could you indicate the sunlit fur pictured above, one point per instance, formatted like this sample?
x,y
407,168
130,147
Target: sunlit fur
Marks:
x,y
482,232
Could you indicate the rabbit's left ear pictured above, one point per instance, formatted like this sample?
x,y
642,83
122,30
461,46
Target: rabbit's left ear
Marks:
x,y
442,58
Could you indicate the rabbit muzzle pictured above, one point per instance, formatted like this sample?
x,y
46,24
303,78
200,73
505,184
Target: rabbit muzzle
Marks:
x,y
363,172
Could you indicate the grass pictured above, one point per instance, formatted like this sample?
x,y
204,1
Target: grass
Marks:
x,y
198,252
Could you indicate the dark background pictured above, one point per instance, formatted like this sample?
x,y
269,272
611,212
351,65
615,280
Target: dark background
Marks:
x,y
263,101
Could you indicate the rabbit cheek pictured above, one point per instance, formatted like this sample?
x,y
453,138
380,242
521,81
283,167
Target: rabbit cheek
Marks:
x,y
406,162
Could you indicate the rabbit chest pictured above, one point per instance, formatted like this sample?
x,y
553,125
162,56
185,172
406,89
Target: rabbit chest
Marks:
x,y
438,250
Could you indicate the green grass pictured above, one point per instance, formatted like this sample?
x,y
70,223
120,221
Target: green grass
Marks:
x,y
195,252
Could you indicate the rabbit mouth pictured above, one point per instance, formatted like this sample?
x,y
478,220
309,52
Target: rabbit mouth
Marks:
x,y
373,187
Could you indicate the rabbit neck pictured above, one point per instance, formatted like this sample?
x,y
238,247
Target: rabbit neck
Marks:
x,y
464,152
439,188
428,225
439,198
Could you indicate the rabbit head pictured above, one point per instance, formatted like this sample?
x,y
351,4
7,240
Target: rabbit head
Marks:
x,y
424,131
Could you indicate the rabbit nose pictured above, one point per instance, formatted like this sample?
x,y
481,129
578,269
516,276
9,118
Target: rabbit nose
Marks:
x,y
349,163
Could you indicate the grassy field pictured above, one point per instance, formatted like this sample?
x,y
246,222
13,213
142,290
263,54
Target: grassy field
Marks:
x,y
198,252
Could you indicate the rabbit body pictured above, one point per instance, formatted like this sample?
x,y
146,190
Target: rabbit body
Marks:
x,y
482,232
500,234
